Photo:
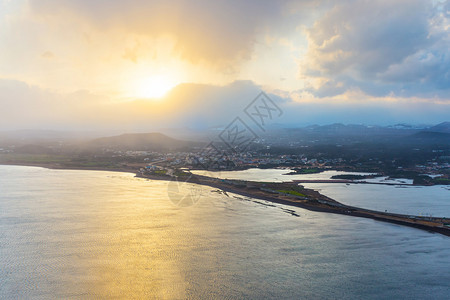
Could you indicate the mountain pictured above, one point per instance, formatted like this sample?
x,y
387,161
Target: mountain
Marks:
x,y
436,134
335,134
408,126
442,127
431,137
140,141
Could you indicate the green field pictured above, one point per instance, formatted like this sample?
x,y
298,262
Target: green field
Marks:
x,y
292,192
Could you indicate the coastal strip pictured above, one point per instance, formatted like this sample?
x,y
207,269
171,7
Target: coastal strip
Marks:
x,y
347,181
310,200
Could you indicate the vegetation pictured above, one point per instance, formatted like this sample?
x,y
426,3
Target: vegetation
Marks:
x,y
427,180
160,172
351,177
292,192
305,171
441,180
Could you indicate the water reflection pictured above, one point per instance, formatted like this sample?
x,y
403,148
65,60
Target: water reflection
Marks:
x,y
74,234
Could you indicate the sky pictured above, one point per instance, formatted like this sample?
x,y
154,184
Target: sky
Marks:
x,y
137,65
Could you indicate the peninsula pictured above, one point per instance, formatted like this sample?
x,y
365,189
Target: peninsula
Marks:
x,y
293,194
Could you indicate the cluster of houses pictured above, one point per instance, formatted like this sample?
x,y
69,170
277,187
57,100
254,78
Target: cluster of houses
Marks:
x,y
433,167
6,150
230,161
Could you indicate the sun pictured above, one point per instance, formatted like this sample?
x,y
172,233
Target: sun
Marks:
x,y
155,86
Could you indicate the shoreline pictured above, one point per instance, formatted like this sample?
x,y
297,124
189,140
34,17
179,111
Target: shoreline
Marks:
x,y
328,205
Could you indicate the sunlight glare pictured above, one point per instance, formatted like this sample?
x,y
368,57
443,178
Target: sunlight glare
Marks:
x,y
155,86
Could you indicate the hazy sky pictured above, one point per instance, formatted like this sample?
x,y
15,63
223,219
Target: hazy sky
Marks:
x,y
135,64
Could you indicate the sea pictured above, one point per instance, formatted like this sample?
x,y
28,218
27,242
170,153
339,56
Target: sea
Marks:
x,y
93,234
391,195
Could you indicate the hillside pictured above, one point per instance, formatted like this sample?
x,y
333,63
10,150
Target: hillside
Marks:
x,y
436,134
432,136
442,127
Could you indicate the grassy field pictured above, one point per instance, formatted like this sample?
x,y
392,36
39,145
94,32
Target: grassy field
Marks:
x,y
443,181
160,172
292,192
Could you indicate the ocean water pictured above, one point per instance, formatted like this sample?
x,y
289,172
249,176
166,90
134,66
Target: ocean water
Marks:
x,y
414,200
401,198
88,234
272,175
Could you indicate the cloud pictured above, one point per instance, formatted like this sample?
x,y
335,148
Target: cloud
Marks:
x,y
380,47
48,55
23,106
198,106
214,32
188,105
355,57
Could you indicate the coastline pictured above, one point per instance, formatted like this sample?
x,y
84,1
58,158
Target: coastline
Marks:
x,y
321,204
328,205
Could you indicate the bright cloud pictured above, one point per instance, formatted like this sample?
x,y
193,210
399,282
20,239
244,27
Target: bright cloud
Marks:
x,y
355,56
380,47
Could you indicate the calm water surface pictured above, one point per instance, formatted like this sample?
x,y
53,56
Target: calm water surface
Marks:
x,y
415,200
87,234
272,175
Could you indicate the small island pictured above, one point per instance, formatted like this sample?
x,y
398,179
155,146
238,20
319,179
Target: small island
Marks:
x,y
300,171
354,177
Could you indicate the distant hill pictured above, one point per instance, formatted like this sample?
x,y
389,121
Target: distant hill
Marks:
x,y
442,127
428,137
432,135
358,130
336,134
436,134
139,141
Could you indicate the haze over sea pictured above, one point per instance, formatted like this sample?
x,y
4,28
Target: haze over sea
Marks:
x,y
85,234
